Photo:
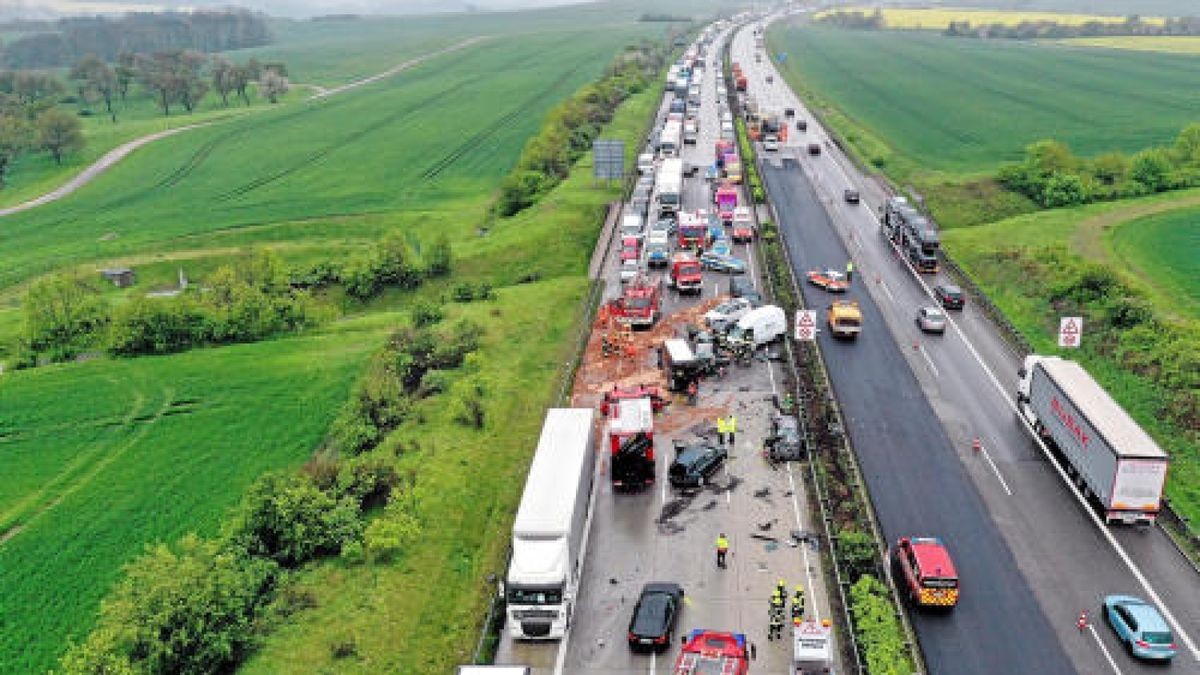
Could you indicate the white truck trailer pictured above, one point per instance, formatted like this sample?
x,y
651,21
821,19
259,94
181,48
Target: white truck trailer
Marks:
x,y
671,139
546,567
1113,459
668,185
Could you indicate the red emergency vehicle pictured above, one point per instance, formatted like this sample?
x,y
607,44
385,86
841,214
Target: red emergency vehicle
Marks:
x,y
926,572
710,652
631,443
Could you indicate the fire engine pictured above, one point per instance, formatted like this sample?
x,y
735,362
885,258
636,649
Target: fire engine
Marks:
x,y
640,303
709,652
631,440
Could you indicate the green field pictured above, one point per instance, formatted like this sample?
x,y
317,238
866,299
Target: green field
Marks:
x,y
1165,250
442,133
963,106
102,458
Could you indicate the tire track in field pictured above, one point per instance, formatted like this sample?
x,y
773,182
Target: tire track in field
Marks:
x,y
473,142
146,421
318,155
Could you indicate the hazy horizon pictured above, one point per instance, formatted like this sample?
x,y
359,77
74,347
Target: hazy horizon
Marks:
x,y
52,9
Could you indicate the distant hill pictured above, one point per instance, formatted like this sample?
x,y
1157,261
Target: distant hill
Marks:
x,y
1113,7
49,9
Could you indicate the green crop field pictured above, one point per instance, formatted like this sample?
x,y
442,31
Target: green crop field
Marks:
x,y
964,106
102,458
444,132
1165,250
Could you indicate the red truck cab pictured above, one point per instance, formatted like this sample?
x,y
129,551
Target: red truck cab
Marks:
x,y
640,303
926,571
686,273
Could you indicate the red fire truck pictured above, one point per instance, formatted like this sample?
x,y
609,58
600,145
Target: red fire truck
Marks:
x,y
631,440
640,303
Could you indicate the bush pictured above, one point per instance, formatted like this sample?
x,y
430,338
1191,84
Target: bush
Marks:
x,y
391,534
187,610
879,631
287,519
425,313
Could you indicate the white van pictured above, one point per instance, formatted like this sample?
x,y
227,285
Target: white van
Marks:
x,y
632,225
760,326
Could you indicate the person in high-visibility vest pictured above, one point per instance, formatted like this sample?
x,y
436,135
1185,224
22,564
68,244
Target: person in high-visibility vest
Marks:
x,y
849,270
798,602
731,428
722,550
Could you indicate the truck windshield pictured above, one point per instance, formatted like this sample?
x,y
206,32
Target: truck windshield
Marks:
x,y
848,321
668,197
939,582
534,596
637,303
692,268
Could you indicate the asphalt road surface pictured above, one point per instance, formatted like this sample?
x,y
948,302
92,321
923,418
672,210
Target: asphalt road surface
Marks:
x,y
664,534
1031,550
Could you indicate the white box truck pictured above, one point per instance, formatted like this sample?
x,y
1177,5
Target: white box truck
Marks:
x,y
1110,455
670,139
545,569
668,186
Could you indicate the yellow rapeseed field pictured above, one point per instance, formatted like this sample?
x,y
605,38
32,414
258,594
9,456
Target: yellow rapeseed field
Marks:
x,y
939,18
1175,44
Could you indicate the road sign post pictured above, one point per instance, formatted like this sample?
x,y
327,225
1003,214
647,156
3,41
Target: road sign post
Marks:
x,y
1070,330
806,325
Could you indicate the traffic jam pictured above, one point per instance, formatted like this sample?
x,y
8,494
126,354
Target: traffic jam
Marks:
x,y
697,554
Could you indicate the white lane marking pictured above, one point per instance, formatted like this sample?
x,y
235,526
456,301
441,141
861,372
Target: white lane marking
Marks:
x,y
652,662
1103,649
888,292
988,456
750,257
808,582
928,360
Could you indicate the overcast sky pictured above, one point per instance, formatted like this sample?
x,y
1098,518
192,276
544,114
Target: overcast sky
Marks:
x,y
10,9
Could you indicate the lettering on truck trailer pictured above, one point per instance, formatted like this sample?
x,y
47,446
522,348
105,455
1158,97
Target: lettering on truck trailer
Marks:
x,y
1068,421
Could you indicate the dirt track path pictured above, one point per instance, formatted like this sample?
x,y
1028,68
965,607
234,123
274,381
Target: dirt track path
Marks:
x,y
115,155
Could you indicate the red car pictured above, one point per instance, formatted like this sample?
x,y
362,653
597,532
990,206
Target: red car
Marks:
x,y
631,248
831,280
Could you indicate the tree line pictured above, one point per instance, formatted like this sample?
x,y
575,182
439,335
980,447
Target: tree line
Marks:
x,y
1033,30
1053,176
571,127
68,40
854,19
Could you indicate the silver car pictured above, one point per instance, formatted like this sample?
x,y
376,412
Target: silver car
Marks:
x,y
931,320
727,313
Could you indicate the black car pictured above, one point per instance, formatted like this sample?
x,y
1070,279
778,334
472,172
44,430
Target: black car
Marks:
x,y
950,296
694,465
653,622
741,287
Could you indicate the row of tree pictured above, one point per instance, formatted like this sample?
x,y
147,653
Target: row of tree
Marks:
x,y
1053,176
854,19
571,127
68,40
1033,30
180,77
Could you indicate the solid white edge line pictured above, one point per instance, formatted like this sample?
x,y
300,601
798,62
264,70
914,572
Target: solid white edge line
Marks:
x,y
652,661
988,456
928,360
1107,656
1116,546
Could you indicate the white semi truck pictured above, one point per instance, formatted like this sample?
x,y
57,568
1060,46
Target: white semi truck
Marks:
x,y
669,185
546,566
1111,457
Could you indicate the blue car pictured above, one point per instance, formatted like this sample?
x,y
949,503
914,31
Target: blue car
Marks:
x,y
722,246
1138,624
722,263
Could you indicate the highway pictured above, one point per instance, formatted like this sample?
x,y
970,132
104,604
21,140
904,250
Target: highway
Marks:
x,y
665,535
1031,557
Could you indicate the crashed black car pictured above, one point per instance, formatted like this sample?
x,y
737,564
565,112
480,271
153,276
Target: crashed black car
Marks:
x,y
785,442
695,464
